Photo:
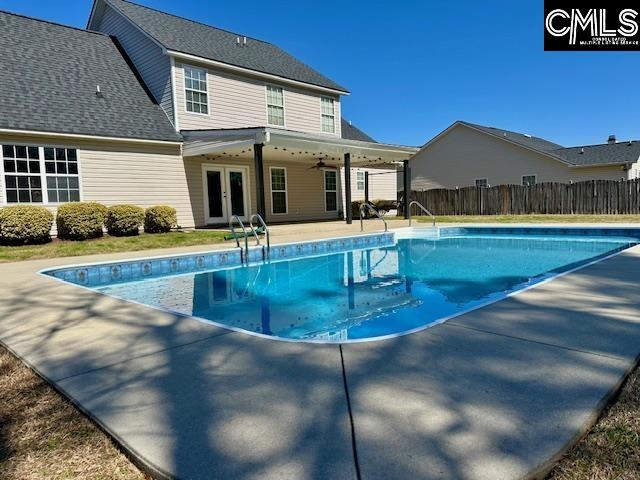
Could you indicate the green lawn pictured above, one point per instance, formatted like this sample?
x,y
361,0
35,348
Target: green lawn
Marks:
x,y
107,244
532,219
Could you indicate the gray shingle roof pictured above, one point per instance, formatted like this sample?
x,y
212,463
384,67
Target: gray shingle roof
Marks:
x,y
48,83
604,154
188,36
615,153
530,141
351,132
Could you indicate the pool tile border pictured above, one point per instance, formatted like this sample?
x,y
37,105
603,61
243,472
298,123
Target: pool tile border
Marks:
x,y
92,275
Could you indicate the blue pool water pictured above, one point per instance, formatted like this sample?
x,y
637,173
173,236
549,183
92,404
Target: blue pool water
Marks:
x,y
374,292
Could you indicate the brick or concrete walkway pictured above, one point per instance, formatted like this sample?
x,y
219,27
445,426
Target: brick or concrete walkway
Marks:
x,y
493,394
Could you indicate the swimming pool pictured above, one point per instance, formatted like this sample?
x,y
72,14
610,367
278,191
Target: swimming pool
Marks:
x,y
374,288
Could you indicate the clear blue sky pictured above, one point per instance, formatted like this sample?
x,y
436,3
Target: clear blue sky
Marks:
x,y
414,67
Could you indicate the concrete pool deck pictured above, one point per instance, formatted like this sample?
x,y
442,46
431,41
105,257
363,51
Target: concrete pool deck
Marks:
x,y
496,393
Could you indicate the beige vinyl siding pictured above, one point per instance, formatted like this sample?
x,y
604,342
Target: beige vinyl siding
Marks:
x,y
299,112
305,193
381,187
464,154
240,101
153,66
143,177
123,172
305,189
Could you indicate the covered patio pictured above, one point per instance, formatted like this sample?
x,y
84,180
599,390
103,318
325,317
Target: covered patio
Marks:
x,y
282,175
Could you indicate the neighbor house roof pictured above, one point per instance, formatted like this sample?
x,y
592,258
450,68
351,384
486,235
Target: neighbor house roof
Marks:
x,y
48,83
195,38
351,132
589,155
608,153
530,141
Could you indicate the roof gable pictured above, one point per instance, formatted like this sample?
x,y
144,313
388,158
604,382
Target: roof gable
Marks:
x,y
194,38
589,155
58,95
523,139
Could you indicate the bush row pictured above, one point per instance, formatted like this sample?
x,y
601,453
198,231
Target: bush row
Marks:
x,y
26,224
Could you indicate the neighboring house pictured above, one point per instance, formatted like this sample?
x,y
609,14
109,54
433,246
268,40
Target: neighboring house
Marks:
x,y
467,154
149,108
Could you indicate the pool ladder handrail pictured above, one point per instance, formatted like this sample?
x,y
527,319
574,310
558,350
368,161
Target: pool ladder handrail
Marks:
x,y
265,253
244,254
421,207
377,214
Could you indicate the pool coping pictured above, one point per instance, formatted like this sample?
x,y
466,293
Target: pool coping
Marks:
x,y
542,468
548,276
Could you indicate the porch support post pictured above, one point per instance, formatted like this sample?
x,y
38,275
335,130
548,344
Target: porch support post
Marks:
x,y
347,188
406,174
259,173
366,186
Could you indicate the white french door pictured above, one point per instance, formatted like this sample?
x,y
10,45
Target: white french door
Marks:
x,y
226,193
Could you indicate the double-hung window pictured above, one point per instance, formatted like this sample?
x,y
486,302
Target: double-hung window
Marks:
x,y
278,190
195,90
40,174
275,106
360,181
328,115
330,190
528,180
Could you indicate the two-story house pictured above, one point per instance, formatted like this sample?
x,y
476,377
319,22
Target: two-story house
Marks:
x,y
148,108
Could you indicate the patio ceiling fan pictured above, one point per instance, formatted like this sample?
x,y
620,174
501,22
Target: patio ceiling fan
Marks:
x,y
321,164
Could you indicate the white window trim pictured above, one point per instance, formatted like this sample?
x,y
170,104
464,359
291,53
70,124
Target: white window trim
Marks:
x,y
364,175
475,181
266,105
333,100
43,175
534,175
324,179
184,89
286,189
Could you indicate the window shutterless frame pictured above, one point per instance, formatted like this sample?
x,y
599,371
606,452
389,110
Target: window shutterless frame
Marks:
x,y
328,113
268,87
197,91
285,190
46,201
331,191
360,181
530,180
481,182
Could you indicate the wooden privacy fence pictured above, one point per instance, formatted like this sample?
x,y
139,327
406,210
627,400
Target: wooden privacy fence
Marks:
x,y
589,197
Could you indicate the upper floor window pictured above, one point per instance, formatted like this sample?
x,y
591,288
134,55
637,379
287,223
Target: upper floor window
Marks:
x,y
275,106
528,180
360,181
328,115
195,90
482,182
40,175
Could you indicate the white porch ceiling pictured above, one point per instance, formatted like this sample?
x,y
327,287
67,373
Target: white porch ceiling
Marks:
x,y
293,146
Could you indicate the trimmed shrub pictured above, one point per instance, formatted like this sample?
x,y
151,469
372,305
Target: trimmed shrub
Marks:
x,y
25,224
160,219
80,220
124,220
